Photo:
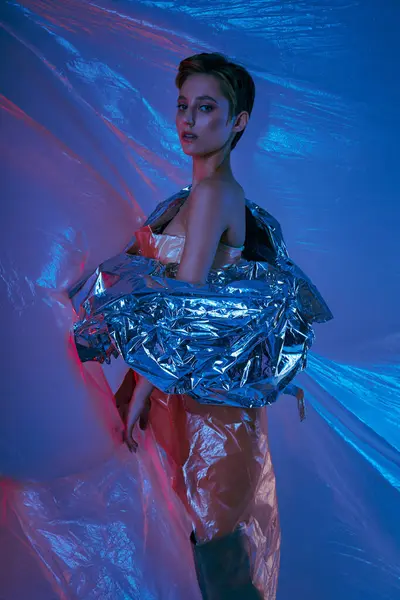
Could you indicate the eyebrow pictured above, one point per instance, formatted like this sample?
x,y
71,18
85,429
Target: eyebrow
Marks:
x,y
200,98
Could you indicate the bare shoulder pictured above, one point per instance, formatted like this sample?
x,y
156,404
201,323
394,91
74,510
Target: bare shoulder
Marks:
x,y
220,193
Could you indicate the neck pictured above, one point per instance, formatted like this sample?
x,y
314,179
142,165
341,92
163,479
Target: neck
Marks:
x,y
206,166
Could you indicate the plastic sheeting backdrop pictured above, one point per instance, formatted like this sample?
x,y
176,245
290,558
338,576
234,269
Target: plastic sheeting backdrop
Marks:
x,y
89,147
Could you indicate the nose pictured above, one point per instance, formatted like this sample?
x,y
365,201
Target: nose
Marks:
x,y
189,118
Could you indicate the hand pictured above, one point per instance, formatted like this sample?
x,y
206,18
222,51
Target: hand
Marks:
x,y
138,410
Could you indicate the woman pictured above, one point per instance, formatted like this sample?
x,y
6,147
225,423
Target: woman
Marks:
x,y
219,455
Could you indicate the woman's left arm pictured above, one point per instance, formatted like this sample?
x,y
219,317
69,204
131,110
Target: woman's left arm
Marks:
x,y
206,222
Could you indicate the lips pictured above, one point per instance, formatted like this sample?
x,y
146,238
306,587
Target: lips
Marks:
x,y
188,136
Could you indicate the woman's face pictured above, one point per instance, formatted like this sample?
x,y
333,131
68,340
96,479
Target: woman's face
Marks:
x,y
202,117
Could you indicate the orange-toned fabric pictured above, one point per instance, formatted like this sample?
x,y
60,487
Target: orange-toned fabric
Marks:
x,y
169,248
219,455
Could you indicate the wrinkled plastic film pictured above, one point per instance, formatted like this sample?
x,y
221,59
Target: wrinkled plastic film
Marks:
x,y
224,476
175,334
239,340
88,149
83,534
221,464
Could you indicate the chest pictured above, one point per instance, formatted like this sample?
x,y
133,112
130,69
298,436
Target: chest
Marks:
x,y
178,225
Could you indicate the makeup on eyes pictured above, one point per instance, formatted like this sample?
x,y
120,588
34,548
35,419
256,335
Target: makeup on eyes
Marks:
x,y
182,99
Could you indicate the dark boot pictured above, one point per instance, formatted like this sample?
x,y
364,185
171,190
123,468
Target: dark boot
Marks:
x,y
223,568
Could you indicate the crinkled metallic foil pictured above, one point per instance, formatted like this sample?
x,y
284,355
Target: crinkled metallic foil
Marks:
x,y
238,340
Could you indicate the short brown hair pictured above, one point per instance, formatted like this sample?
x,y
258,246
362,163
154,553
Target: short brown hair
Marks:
x,y
237,85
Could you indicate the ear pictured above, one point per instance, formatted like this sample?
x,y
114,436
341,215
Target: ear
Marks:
x,y
241,121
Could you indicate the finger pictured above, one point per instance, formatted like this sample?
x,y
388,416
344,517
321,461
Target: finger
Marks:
x,y
132,445
136,408
130,442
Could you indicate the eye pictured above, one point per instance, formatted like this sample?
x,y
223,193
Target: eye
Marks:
x,y
206,108
181,107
